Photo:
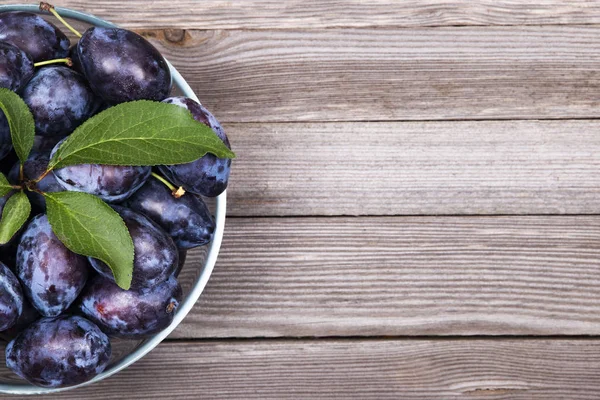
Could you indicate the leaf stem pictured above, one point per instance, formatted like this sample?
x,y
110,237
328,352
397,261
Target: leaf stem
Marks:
x,y
42,176
67,61
30,185
50,8
177,192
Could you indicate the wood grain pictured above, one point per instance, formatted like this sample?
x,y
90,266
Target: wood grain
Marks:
x,y
394,74
301,87
402,276
276,14
483,167
355,369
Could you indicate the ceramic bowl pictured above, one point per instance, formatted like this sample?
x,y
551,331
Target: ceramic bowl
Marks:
x,y
195,274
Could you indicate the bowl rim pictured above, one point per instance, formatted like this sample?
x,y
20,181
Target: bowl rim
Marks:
x,y
213,249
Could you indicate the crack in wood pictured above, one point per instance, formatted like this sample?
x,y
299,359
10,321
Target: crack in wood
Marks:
x,y
492,391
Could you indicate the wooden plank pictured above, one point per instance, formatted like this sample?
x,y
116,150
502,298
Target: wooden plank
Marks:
x,y
273,14
391,74
355,369
402,276
485,167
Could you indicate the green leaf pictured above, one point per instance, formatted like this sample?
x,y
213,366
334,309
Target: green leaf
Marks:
x,y
5,186
140,133
88,226
20,122
15,214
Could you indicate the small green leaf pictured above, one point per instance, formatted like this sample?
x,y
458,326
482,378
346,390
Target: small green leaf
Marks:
x,y
20,122
88,226
15,214
140,133
5,186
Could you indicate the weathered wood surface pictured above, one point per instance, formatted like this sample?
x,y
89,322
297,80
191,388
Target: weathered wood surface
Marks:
x,y
402,276
385,109
391,74
276,14
357,369
481,167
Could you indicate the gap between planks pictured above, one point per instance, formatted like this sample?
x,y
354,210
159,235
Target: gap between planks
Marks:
x,y
415,168
364,74
360,369
291,14
401,276
398,74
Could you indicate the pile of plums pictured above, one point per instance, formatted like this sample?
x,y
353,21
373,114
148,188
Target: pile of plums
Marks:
x,y
57,308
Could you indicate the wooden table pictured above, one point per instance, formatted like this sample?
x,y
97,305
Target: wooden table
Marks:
x,y
414,213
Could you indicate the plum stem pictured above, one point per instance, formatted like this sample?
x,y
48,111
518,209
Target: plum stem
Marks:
x,y
50,8
177,192
67,61
21,174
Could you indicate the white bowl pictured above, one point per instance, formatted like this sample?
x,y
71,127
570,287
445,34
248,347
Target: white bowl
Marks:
x,y
204,269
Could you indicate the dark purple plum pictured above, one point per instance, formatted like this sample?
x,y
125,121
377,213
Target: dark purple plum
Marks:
x,y
34,35
155,254
13,174
28,316
5,140
127,313
76,65
59,99
101,104
11,298
59,352
186,219
112,183
123,66
182,258
35,165
52,275
16,67
7,162
45,144
33,168
209,175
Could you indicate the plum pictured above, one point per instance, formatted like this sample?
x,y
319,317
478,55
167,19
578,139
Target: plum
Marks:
x,y
186,219
122,66
45,144
155,254
52,275
5,139
35,165
59,99
58,352
27,317
127,313
39,38
11,298
182,258
208,176
16,67
112,183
